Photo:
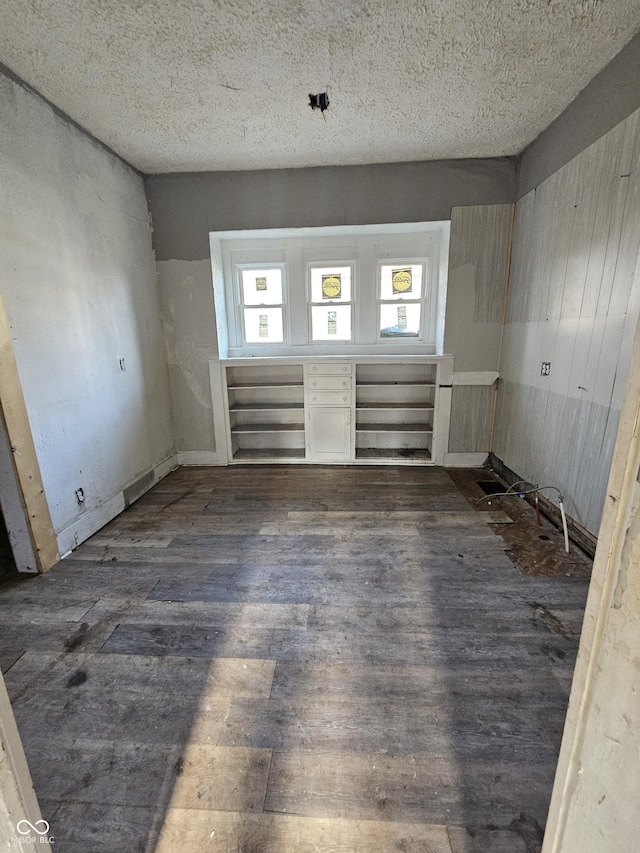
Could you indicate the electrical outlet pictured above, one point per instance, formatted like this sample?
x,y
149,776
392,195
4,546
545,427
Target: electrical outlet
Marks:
x,y
122,364
546,368
80,496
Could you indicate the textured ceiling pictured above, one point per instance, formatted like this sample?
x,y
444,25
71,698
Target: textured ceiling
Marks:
x,y
190,85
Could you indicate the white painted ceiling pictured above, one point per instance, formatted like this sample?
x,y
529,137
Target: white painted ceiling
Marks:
x,y
192,85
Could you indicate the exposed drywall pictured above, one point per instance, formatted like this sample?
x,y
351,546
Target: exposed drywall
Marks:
x,y
78,284
607,100
189,325
573,302
185,208
478,256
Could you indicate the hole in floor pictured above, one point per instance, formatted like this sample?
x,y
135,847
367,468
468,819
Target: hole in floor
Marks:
x,y
490,487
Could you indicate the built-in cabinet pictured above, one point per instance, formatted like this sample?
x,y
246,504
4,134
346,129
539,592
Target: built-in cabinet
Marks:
x,y
368,409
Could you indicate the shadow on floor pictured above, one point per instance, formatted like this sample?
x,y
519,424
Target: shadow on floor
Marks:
x,y
272,659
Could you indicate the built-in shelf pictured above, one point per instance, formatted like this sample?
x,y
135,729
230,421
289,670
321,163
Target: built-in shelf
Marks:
x,y
395,405
397,382
428,407
253,385
267,427
389,453
268,455
360,427
264,407
367,410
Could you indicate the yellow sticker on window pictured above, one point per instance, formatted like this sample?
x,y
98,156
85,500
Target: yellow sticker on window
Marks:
x,y
331,286
401,280
261,283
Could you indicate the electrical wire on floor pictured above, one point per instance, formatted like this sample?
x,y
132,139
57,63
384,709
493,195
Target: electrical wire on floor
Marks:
x,y
521,494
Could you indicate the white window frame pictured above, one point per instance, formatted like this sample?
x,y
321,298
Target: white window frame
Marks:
x,y
363,249
427,302
352,302
238,269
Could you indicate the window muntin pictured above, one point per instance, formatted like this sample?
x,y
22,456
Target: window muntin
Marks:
x,y
331,302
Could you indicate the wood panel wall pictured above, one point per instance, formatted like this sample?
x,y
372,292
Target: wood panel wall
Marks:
x,y
478,256
574,299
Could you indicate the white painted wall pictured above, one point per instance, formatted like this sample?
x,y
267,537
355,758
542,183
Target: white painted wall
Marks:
x,y
574,299
78,282
190,336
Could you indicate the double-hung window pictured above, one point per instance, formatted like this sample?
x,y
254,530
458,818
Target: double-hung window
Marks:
x,y
331,301
261,303
290,293
401,299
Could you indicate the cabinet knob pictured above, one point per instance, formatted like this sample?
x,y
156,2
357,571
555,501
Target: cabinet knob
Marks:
x,y
314,384
314,399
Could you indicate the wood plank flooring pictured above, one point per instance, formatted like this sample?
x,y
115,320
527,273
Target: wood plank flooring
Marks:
x,y
285,659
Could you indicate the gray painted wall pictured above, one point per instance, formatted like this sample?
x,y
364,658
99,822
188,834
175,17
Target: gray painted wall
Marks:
x,y
574,299
609,98
185,208
78,283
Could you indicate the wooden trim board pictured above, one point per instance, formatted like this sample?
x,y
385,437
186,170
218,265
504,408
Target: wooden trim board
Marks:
x,y
25,461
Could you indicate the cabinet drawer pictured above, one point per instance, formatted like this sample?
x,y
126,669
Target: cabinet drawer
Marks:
x,y
328,383
329,369
329,398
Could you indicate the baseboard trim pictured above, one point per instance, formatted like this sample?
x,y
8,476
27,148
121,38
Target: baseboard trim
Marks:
x,y
465,460
578,534
201,457
95,519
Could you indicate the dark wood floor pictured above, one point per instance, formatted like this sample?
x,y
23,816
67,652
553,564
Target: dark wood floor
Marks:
x,y
288,659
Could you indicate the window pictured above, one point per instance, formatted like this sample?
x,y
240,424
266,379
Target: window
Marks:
x,y
401,302
331,302
327,291
262,304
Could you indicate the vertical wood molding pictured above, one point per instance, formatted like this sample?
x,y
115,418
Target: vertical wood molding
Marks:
x,y
25,460
503,320
17,797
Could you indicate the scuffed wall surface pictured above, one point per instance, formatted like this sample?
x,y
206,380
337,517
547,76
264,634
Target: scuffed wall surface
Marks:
x,y
189,324
78,283
574,302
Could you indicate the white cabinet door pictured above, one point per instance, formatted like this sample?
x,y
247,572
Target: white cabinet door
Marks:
x,y
329,434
